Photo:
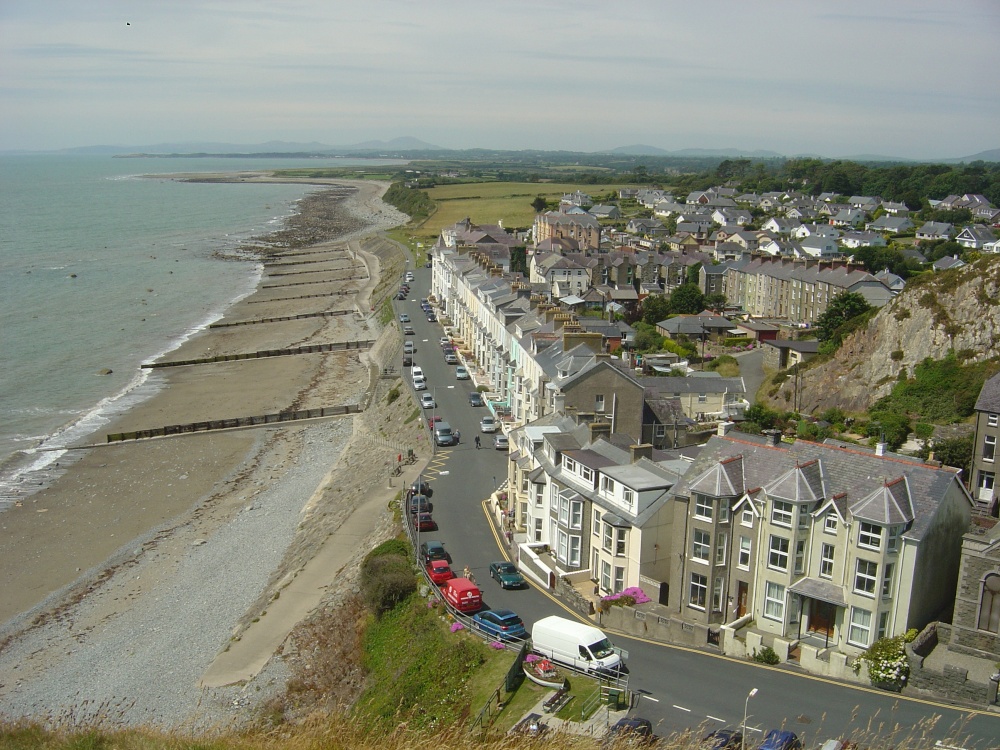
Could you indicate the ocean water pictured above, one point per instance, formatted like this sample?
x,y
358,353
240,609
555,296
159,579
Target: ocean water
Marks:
x,y
104,268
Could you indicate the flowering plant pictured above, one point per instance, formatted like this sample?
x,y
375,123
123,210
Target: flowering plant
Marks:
x,y
887,662
497,645
633,592
456,626
532,657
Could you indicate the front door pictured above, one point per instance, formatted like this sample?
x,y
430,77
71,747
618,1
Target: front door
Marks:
x,y
741,599
822,616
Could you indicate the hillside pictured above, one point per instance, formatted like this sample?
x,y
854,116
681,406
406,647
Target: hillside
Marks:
x,y
955,310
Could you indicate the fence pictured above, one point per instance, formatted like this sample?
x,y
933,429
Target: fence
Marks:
x,y
264,353
255,321
228,424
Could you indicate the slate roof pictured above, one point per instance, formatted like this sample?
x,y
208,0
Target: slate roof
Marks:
x,y
866,482
989,396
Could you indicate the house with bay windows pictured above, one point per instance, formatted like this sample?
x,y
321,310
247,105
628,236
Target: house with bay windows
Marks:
x,y
814,547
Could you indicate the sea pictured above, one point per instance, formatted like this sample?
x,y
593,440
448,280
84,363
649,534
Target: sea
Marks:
x,y
104,267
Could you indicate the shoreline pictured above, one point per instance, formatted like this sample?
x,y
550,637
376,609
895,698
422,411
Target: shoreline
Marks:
x,y
105,541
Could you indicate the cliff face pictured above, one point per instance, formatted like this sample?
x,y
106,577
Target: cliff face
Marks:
x,y
956,310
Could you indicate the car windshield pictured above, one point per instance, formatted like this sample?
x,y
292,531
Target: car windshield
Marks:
x,y
602,649
507,568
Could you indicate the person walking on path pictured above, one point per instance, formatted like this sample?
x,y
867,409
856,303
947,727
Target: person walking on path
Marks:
x,y
458,436
477,442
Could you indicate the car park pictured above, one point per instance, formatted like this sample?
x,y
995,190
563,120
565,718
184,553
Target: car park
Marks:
x,y
427,401
476,399
425,522
629,730
420,504
723,739
408,331
507,575
780,739
461,373
404,318
500,623
450,359
500,442
419,384
439,572
489,424
434,550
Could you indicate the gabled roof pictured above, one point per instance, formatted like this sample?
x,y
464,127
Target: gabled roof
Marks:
x,y
723,479
989,396
888,505
803,484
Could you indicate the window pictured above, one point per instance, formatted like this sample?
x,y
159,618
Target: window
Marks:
x,y
781,513
887,580
619,578
606,541
800,556
745,548
563,510
703,507
597,522
539,495
576,515
699,590
721,543
599,402
702,541
869,535
865,576
717,591
563,546
774,601
830,524
892,538
569,464
620,541
883,625
803,517
723,511
826,561
859,632
990,448
991,419
605,575
702,398
607,485
778,556
747,519
538,529
574,551
989,604
587,473
628,496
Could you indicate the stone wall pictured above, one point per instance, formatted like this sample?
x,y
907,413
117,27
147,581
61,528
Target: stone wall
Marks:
x,y
654,626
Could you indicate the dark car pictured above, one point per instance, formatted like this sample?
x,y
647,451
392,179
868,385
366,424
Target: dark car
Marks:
x,y
476,399
401,295
723,739
506,575
425,522
420,504
434,551
407,360
427,264
500,623
431,318
629,731
780,739
420,487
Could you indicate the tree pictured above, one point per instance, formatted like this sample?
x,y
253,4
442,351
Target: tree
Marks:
x,y
956,452
646,338
842,308
716,302
519,259
686,299
655,308
539,204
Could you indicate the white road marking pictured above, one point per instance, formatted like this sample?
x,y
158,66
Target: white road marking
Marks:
x,y
650,698
715,718
681,708
443,473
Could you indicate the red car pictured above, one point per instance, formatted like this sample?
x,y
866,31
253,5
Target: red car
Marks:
x,y
431,421
425,522
439,571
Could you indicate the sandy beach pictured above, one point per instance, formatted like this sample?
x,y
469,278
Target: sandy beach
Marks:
x,y
128,576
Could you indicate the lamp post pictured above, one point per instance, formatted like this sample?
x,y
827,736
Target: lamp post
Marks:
x,y
746,706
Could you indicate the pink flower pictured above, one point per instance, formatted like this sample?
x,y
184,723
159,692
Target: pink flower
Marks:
x,y
456,626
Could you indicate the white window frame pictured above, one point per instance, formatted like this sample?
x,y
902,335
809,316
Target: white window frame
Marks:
x,y
607,538
830,523
723,511
869,535
747,517
992,420
865,577
827,559
888,569
701,545
605,575
596,529
718,589
782,513
619,583
576,514
628,496
587,473
883,624
777,553
607,485
569,464
989,448
800,556
893,534
746,549
575,545
703,507
721,547
621,536
599,402
697,591
774,601
857,627
563,511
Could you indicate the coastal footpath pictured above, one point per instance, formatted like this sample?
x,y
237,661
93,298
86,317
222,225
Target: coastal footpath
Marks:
x,y
152,582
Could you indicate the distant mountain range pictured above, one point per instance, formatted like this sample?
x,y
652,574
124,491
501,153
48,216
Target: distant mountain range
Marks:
x,y
406,146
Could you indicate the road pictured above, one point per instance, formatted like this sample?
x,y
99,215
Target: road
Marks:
x,y
679,688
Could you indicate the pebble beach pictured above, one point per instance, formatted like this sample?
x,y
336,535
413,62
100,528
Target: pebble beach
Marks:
x,y
130,573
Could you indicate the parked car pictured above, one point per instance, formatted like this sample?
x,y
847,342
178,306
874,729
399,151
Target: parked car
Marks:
x,y
434,551
780,739
507,575
444,340
408,331
723,739
500,442
463,595
489,424
427,401
476,399
431,318
417,372
428,264
409,348
419,384
404,318
407,360
420,504
401,294
461,373
420,487
629,730
431,421
425,522
450,359
424,301
500,623
409,276
439,572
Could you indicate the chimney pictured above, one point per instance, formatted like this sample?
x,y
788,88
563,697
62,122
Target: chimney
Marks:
x,y
880,447
773,437
643,450
599,430
593,341
725,428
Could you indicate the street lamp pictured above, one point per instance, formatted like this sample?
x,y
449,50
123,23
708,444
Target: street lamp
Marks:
x,y
746,706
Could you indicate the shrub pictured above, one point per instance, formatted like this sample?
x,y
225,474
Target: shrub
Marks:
x,y
766,655
392,395
386,579
896,355
887,662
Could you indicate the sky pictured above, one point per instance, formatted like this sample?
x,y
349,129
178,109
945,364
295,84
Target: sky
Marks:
x,y
912,79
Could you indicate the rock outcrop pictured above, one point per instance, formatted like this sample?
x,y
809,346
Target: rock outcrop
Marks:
x,y
956,310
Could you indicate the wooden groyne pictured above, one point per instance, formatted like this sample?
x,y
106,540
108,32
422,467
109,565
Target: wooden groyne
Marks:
x,y
311,271
308,349
276,264
228,424
284,318
306,283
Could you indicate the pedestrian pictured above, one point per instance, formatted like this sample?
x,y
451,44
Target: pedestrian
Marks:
x,y
458,436
477,442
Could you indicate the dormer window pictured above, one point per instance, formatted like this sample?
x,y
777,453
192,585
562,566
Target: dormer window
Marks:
x,y
869,535
830,524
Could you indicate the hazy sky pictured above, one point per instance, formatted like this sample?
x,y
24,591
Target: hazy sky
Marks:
x,y
908,78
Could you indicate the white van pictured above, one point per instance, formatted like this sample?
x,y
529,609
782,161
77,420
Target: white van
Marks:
x,y
576,645
417,371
